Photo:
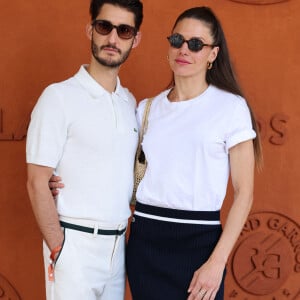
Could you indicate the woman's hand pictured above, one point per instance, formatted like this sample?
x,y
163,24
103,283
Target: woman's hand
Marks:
x,y
55,184
206,281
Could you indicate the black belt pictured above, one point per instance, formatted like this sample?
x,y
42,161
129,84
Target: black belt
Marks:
x,y
91,230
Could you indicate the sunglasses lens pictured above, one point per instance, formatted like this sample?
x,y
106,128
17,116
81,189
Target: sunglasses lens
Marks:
x,y
126,31
176,40
195,45
103,27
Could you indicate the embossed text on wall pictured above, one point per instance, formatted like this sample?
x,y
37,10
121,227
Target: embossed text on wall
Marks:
x,y
277,124
266,261
7,291
18,134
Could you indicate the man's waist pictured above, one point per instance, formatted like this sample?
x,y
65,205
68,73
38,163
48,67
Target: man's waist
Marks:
x,y
93,224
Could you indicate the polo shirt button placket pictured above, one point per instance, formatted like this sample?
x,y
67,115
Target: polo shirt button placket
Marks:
x,y
114,108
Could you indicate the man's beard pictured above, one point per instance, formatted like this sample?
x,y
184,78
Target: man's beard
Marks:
x,y
109,62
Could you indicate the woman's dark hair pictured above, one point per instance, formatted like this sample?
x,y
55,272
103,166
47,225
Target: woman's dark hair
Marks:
x,y
134,6
221,74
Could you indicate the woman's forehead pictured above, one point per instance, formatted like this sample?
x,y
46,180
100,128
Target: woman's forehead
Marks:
x,y
192,27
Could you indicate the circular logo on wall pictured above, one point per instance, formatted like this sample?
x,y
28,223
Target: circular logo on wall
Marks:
x,y
266,261
7,291
259,1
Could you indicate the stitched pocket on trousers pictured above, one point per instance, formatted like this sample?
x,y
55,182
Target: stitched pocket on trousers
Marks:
x,y
62,247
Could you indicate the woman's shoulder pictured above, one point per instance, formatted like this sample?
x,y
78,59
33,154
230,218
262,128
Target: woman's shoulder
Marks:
x,y
227,98
155,99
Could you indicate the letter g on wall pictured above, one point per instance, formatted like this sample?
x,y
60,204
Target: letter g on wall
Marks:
x,y
7,291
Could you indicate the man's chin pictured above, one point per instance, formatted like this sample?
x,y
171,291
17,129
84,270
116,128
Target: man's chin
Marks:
x,y
108,62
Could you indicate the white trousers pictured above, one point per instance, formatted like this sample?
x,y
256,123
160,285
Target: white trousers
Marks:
x,y
89,267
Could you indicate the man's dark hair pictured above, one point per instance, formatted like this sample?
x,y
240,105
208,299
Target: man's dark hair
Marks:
x,y
134,6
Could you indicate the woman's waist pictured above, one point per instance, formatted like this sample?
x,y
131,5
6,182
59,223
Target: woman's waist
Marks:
x,y
177,215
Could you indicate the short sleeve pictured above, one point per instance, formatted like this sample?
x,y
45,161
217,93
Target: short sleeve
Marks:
x,y
240,129
47,130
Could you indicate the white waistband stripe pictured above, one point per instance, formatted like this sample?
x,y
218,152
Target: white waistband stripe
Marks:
x,y
203,222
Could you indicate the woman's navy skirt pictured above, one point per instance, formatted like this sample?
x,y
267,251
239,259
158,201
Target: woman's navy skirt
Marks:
x,y
165,248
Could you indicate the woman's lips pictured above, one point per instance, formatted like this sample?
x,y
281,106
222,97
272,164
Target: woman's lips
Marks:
x,y
181,61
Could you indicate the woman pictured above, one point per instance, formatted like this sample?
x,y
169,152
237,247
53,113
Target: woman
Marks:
x,y
199,131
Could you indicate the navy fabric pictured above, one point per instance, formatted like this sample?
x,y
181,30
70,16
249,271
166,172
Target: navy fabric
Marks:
x,y
177,213
162,257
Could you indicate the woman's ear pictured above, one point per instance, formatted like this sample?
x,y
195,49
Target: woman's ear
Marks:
x,y
137,39
214,53
89,31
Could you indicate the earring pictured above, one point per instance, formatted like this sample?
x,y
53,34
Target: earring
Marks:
x,y
167,57
209,65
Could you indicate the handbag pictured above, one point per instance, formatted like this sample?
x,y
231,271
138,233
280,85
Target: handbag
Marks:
x,y
140,162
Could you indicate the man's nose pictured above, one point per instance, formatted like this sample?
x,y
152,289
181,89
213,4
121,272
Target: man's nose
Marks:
x,y
113,36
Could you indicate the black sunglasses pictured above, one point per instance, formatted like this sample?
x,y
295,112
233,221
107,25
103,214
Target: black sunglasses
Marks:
x,y
194,44
124,31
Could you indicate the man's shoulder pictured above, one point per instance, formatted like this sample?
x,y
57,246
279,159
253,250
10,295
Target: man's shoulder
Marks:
x,y
65,87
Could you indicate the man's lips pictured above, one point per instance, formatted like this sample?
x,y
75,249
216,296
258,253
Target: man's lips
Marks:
x,y
110,49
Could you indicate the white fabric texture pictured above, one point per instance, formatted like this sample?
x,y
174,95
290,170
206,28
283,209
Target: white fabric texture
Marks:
x,y
89,267
186,146
89,136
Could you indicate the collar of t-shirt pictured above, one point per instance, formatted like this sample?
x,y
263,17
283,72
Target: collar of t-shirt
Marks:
x,y
94,88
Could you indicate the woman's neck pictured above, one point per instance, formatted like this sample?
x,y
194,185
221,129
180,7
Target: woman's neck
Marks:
x,y
184,90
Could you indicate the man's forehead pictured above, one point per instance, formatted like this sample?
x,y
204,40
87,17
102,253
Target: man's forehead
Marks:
x,y
116,14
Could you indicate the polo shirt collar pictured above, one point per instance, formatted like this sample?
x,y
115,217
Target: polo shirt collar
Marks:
x,y
94,88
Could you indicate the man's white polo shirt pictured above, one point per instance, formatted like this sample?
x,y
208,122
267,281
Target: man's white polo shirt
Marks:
x,y
89,136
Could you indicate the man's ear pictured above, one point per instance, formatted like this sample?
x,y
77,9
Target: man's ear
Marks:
x,y
137,39
89,31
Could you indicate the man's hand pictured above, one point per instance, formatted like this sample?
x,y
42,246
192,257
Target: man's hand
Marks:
x,y
55,184
42,203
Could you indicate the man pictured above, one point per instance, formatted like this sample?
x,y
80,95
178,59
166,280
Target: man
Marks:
x,y
85,130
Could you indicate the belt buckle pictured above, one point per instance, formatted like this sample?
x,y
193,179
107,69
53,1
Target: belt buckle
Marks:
x,y
96,227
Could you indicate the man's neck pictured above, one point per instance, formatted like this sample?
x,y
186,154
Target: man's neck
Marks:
x,y
105,76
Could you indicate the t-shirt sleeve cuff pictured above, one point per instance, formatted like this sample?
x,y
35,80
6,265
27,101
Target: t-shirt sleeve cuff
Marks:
x,y
239,138
33,159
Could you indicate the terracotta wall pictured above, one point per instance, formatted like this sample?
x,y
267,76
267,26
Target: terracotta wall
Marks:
x,y
44,41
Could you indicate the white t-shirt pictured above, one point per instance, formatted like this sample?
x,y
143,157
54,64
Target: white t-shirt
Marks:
x,y
89,136
186,146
